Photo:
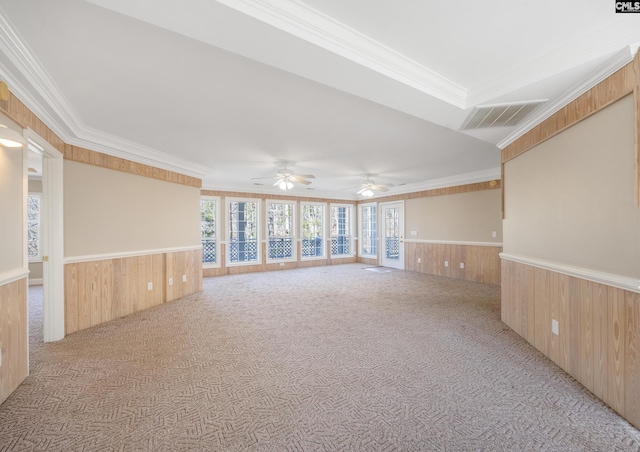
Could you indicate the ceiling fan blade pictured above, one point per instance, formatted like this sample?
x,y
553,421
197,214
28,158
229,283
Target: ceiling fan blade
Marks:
x,y
278,182
270,177
299,180
378,188
361,190
304,176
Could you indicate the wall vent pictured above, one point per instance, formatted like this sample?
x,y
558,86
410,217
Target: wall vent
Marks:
x,y
499,115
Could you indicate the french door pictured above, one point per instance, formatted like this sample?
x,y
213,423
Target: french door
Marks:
x,y
392,220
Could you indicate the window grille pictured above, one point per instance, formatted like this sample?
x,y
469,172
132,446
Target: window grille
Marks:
x,y
369,231
33,226
208,221
312,230
341,230
243,231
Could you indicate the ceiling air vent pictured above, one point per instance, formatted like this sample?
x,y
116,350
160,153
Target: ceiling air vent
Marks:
x,y
499,115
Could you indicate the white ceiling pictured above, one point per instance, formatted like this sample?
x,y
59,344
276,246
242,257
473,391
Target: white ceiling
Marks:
x,y
224,90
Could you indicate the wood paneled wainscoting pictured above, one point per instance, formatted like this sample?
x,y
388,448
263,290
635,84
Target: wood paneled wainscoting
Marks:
x,y
100,290
480,262
13,335
598,328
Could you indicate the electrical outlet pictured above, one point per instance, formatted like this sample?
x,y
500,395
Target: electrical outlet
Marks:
x,y
555,327
281,264
446,263
461,264
494,234
414,233
419,260
149,286
184,278
171,281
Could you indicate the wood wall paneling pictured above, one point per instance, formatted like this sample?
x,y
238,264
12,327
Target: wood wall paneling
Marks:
x,y
598,341
13,336
481,263
103,290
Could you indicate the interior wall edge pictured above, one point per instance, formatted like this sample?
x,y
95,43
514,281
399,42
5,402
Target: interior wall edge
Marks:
x,y
608,279
13,275
99,257
454,242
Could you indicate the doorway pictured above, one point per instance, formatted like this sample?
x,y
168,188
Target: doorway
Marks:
x,y
51,235
392,220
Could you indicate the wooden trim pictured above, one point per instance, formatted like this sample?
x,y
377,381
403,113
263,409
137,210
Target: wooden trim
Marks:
x,y
479,186
272,197
613,88
21,114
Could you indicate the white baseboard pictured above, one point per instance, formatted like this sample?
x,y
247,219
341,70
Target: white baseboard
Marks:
x,y
35,281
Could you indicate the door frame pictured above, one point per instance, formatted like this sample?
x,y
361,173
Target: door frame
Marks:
x,y
399,264
52,236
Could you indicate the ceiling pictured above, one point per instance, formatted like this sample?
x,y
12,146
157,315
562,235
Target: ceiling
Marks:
x,y
226,90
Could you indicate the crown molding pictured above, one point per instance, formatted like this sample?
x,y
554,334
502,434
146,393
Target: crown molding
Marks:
x,y
64,122
450,181
615,63
313,26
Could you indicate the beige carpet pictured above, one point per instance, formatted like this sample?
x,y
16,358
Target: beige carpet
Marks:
x,y
331,358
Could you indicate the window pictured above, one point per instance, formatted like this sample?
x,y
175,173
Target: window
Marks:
x,y
368,230
209,230
312,241
280,230
341,234
33,226
243,218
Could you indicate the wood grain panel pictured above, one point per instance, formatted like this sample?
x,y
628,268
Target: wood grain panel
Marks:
x,y
13,336
71,293
599,330
632,359
617,349
104,290
482,264
489,185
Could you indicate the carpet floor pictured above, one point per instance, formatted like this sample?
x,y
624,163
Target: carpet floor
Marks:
x,y
327,358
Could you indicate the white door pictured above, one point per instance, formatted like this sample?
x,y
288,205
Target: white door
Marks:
x,y
392,219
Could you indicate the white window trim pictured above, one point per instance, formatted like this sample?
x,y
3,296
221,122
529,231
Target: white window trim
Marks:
x,y
351,231
294,229
217,263
227,240
38,258
324,231
360,232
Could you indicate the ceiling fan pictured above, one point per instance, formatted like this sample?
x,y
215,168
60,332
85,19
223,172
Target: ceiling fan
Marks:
x,y
285,178
368,186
